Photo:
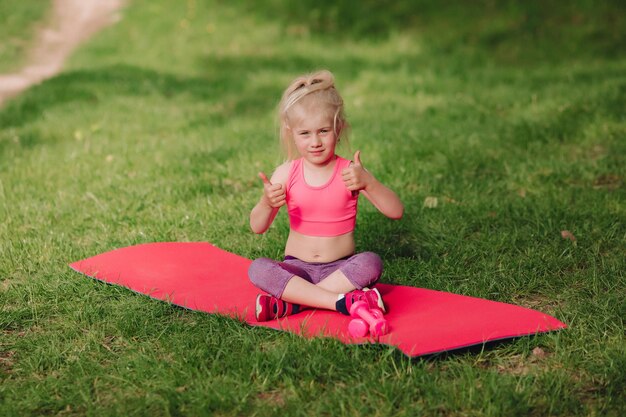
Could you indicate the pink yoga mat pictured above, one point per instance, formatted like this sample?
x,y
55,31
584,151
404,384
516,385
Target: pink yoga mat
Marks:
x,y
200,276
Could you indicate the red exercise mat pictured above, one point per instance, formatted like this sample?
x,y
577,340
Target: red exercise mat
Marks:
x,y
202,277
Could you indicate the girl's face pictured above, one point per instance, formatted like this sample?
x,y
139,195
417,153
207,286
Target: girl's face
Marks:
x,y
313,134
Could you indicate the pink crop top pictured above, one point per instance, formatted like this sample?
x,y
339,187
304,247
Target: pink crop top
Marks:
x,y
327,210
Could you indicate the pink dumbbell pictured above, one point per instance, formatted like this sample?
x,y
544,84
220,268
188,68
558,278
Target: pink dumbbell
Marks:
x,y
366,321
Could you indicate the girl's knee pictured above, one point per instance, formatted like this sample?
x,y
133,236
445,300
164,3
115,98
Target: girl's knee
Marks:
x,y
269,275
363,269
259,270
372,261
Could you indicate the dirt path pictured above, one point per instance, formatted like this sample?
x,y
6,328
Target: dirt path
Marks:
x,y
72,22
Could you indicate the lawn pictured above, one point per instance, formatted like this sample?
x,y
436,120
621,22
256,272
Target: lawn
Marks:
x,y
20,22
509,114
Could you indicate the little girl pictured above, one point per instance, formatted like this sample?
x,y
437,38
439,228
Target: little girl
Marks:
x,y
320,189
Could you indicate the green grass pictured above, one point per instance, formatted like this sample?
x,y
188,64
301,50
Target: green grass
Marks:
x,y
156,130
17,30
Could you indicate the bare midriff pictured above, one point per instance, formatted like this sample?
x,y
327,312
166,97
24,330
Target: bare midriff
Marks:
x,y
319,248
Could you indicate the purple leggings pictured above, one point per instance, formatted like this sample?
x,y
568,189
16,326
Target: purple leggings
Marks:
x,y
271,276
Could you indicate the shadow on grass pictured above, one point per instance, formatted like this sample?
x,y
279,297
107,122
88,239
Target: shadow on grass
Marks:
x,y
226,80
91,86
225,87
384,350
508,31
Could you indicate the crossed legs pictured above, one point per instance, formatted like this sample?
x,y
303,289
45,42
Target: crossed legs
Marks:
x,y
312,284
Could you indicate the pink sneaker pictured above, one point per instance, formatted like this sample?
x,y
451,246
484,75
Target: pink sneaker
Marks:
x,y
270,308
371,296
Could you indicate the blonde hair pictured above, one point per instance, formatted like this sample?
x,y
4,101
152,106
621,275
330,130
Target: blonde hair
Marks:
x,y
313,89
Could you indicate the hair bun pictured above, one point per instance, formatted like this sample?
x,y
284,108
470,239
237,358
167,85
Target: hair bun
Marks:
x,y
324,77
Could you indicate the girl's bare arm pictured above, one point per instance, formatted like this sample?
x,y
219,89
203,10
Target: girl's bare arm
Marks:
x,y
274,197
357,178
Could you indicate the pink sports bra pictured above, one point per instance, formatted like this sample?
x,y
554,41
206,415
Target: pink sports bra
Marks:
x,y
327,210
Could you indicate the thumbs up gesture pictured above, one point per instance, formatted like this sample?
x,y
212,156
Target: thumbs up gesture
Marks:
x,y
273,194
356,177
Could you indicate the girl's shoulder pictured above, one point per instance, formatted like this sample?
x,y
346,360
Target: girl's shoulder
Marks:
x,y
281,173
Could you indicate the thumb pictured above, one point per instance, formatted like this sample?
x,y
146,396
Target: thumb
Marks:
x,y
264,178
357,158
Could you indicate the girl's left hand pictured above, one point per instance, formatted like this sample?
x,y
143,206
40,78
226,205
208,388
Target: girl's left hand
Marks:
x,y
356,177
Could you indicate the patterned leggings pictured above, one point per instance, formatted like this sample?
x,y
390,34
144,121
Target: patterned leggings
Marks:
x,y
362,270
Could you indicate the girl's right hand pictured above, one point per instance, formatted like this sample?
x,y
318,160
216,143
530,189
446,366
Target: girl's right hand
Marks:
x,y
274,195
